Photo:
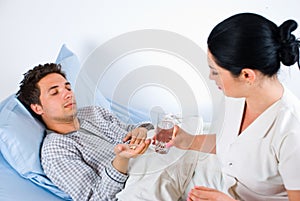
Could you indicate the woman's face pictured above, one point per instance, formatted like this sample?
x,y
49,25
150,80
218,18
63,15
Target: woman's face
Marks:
x,y
225,81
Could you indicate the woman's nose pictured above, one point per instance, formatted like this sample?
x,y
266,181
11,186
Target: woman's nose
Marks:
x,y
210,75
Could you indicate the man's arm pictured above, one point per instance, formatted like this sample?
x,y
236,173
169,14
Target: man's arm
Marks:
x,y
64,165
107,115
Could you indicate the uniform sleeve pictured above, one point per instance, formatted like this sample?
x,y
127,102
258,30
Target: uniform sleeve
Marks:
x,y
63,164
289,163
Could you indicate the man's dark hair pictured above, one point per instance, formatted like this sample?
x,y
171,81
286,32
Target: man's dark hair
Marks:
x,y
29,92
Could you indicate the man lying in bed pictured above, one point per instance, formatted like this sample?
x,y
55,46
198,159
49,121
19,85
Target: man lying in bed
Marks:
x,y
83,152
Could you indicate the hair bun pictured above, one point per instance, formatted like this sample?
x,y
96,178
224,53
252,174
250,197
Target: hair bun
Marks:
x,y
289,49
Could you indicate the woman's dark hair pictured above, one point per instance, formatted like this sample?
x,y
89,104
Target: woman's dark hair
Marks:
x,y
29,92
249,40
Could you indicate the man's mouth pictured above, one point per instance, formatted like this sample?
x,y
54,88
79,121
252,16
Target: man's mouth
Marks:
x,y
70,105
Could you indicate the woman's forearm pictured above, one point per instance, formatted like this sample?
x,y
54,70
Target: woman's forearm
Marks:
x,y
204,143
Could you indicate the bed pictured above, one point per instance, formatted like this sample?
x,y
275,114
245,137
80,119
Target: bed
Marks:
x,y
21,175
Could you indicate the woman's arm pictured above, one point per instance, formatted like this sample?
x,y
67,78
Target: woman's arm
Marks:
x,y
293,195
204,143
183,140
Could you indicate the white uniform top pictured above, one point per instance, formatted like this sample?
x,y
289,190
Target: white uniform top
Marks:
x,y
264,160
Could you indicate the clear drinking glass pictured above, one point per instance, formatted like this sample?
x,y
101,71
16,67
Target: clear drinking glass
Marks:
x,y
163,133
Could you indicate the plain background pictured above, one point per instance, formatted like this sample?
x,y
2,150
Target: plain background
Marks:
x,y
33,31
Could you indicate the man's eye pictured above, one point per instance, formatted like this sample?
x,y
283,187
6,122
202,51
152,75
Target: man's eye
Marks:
x,y
68,87
54,93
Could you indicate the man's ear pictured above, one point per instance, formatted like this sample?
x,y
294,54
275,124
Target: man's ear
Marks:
x,y
248,75
37,108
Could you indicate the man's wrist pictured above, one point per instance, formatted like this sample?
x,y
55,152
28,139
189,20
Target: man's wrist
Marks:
x,y
148,126
120,164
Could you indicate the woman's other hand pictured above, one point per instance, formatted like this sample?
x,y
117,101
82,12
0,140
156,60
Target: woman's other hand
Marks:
x,y
199,193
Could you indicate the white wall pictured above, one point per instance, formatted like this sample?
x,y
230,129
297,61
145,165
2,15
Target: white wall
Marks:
x,y
32,31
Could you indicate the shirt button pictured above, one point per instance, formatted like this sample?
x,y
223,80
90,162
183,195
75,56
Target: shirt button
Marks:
x,y
230,164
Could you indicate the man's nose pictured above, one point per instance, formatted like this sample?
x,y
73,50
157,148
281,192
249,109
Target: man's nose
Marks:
x,y
68,94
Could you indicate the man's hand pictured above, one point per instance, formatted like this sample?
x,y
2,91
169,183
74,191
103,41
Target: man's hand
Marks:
x,y
136,136
132,150
126,151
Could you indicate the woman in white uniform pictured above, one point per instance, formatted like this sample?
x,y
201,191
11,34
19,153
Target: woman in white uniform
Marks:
x,y
259,143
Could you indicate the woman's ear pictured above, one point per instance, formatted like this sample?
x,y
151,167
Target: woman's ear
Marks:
x,y
248,75
37,108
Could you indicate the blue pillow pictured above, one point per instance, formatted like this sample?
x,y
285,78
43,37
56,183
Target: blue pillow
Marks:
x,y
69,62
13,187
20,139
21,135
71,66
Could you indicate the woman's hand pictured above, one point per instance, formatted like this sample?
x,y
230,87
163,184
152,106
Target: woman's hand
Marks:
x,y
199,193
136,136
181,139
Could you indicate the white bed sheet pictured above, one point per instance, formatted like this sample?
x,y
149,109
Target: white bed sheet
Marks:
x,y
152,179
159,177
164,177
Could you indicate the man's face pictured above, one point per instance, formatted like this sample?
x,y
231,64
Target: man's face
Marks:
x,y
58,103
